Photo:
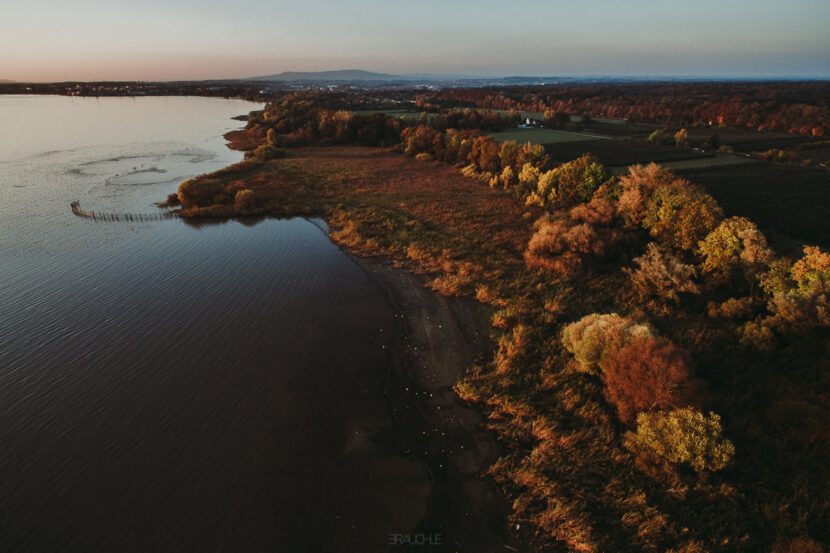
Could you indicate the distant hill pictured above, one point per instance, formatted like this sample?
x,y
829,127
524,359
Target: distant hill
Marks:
x,y
340,75
6,81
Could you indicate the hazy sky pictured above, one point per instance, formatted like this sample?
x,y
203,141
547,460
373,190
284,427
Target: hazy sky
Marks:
x,y
45,40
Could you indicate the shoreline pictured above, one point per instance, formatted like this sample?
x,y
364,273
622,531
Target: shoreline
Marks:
x,y
436,339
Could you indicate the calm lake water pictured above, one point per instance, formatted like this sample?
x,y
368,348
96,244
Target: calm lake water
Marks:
x,y
169,387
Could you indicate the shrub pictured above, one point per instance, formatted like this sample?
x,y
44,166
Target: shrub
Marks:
x,y
661,278
508,177
172,199
561,244
202,193
735,249
598,211
661,136
553,246
512,346
646,374
691,546
682,436
470,171
594,336
244,199
266,152
456,278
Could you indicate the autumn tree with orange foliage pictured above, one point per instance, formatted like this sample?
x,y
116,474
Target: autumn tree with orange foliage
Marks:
x,y
562,244
636,189
646,374
661,279
680,214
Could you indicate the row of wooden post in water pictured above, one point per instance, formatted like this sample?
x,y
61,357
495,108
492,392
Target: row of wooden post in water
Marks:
x,y
118,217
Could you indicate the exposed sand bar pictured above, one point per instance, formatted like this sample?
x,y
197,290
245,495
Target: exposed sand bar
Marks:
x,y
436,340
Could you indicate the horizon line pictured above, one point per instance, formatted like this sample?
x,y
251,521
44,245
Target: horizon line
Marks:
x,y
462,76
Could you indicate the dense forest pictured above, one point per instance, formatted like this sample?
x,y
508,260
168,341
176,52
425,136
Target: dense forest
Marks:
x,y
659,376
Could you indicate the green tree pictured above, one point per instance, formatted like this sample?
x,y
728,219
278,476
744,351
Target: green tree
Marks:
x,y
577,180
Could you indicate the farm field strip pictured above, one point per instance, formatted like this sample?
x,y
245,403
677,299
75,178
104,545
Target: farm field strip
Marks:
x,y
544,136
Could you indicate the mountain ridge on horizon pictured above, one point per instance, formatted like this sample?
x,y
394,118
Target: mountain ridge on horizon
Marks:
x,y
332,75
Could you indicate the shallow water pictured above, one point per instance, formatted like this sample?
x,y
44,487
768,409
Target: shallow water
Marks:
x,y
171,387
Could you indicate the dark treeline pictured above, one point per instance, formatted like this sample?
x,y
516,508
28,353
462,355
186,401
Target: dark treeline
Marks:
x,y
798,108
246,91
303,119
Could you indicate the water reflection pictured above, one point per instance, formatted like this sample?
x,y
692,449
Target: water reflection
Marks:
x,y
179,385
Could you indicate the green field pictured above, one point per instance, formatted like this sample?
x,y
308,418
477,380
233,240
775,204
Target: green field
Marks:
x,y
543,136
393,113
538,115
